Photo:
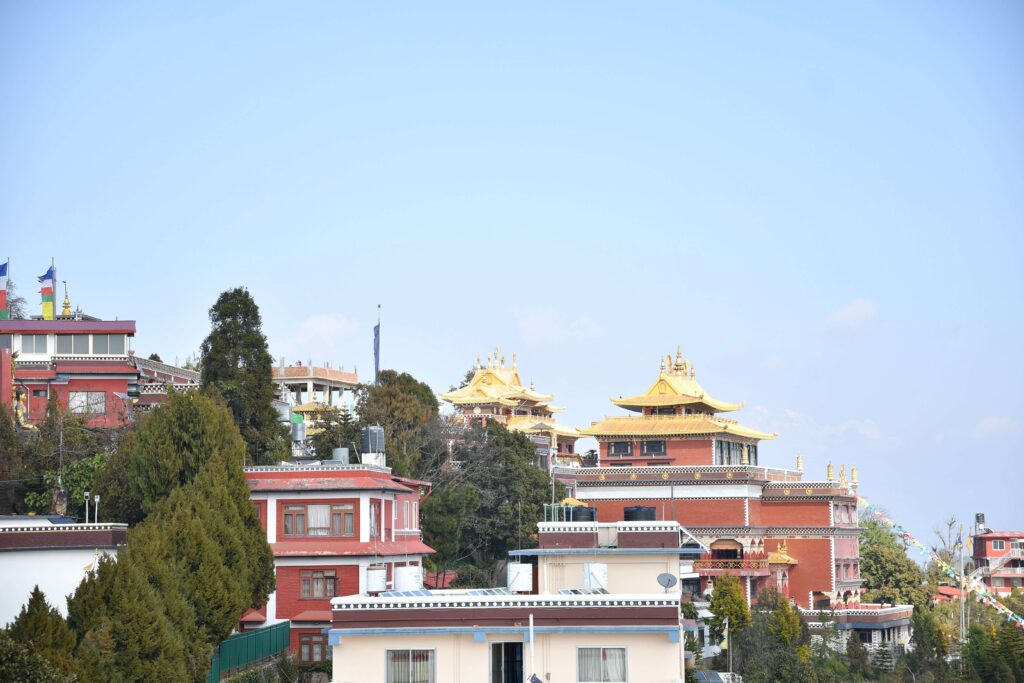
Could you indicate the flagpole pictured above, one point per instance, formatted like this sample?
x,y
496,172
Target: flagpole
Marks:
x,y
376,351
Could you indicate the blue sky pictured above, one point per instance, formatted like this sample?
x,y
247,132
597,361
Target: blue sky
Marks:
x,y
820,202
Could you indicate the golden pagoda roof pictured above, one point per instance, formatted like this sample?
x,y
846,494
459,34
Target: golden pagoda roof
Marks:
x,y
537,423
665,425
779,556
496,383
676,386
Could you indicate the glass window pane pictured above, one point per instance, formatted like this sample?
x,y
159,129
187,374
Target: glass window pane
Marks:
x,y
63,343
117,343
349,524
398,666
588,665
100,343
319,519
5,341
80,343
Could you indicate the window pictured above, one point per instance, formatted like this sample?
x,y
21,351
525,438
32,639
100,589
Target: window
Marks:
x,y
620,449
108,344
663,411
33,343
653,448
343,520
728,453
91,402
39,393
319,520
374,520
294,520
601,665
319,584
998,545
410,666
407,517
5,341
77,344
313,648
506,663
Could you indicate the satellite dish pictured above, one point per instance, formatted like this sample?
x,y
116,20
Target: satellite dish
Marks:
x,y
667,580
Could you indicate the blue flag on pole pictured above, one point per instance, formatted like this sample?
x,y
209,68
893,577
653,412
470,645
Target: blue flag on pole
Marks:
x,y
376,352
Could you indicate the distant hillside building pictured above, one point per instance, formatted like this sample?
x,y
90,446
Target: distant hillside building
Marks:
x,y
495,392
85,362
998,558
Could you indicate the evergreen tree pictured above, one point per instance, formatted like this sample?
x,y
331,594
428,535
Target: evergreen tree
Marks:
x,y
1010,644
41,627
236,361
889,575
334,429
405,408
447,514
10,458
20,664
857,656
728,601
121,502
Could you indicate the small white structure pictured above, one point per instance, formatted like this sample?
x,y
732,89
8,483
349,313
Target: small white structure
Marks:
x,y
54,553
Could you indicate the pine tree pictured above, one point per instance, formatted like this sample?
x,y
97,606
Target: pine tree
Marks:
x,y
858,656
235,360
43,628
20,664
728,601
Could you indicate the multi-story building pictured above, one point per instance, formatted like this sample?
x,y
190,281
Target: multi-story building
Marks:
x,y
334,530
495,392
590,604
768,525
998,558
315,385
156,378
85,362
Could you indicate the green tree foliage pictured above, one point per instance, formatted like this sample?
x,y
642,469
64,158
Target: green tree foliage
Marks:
x,y
77,478
728,601
192,566
10,454
405,408
857,657
42,628
19,663
334,429
774,643
236,361
447,514
120,499
155,357
15,302
889,575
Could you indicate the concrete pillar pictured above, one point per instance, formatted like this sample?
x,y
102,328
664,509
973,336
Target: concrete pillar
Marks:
x,y
309,391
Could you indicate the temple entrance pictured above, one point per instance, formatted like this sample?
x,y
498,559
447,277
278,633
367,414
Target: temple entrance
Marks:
x,y
506,663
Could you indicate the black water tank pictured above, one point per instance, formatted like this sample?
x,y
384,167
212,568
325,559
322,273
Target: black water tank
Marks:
x,y
373,439
640,513
582,514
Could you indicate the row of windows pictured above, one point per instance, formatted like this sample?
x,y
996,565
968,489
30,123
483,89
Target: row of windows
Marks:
x,y
731,453
70,344
87,402
624,449
593,665
319,520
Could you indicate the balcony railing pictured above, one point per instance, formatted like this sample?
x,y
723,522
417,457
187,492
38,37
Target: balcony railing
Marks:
x,y
717,564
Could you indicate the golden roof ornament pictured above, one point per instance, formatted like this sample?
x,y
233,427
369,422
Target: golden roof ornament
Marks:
x,y
842,474
744,457
478,361
679,360
503,361
515,363
853,475
799,462
67,301
830,473
662,365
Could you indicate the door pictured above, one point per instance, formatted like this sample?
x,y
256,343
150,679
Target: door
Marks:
x,y
506,663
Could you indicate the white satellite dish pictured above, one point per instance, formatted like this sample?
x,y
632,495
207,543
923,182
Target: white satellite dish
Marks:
x,y
667,580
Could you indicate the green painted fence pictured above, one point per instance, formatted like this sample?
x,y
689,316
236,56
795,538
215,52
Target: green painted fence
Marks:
x,y
243,649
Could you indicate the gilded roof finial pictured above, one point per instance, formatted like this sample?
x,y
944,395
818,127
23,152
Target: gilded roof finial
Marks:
x,y
668,362
693,372
830,473
842,474
679,360
853,475
663,365
532,385
503,361
67,301
799,462
515,364
478,361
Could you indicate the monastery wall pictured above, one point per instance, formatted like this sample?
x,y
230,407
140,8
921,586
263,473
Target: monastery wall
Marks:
x,y
789,513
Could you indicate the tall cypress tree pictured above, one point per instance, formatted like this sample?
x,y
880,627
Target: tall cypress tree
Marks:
x,y
43,628
236,361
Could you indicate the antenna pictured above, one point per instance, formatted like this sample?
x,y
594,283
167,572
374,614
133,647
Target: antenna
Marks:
x,y
667,580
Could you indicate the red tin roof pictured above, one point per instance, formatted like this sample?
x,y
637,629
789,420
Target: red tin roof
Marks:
x,y
68,326
326,484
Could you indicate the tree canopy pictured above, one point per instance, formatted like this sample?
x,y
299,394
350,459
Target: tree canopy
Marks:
x,y
405,408
236,361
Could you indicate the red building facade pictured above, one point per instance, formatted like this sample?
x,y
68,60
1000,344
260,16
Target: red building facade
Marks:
x,y
999,560
334,530
86,363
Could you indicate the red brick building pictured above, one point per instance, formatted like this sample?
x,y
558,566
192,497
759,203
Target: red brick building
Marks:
x,y
86,362
999,560
768,525
334,530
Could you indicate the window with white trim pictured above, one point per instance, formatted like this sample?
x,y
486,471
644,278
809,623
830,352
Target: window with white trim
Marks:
x,y
77,344
410,666
620,449
319,520
33,343
652,447
87,402
601,665
108,344
318,584
998,545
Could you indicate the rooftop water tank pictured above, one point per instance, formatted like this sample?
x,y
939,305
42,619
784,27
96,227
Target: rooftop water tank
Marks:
x,y
640,513
582,514
376,578
520,577
409,578
373,439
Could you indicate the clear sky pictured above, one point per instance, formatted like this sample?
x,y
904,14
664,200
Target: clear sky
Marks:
x,y
823,203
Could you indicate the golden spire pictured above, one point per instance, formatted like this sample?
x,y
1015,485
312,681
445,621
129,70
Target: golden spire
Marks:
x,y
663,365
502,361
744,457
532,385
67,301
799,462
830,473
515,364
842,474
679,360
853,475
478,361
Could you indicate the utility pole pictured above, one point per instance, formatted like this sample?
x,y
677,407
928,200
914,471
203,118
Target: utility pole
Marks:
x,y
963,587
